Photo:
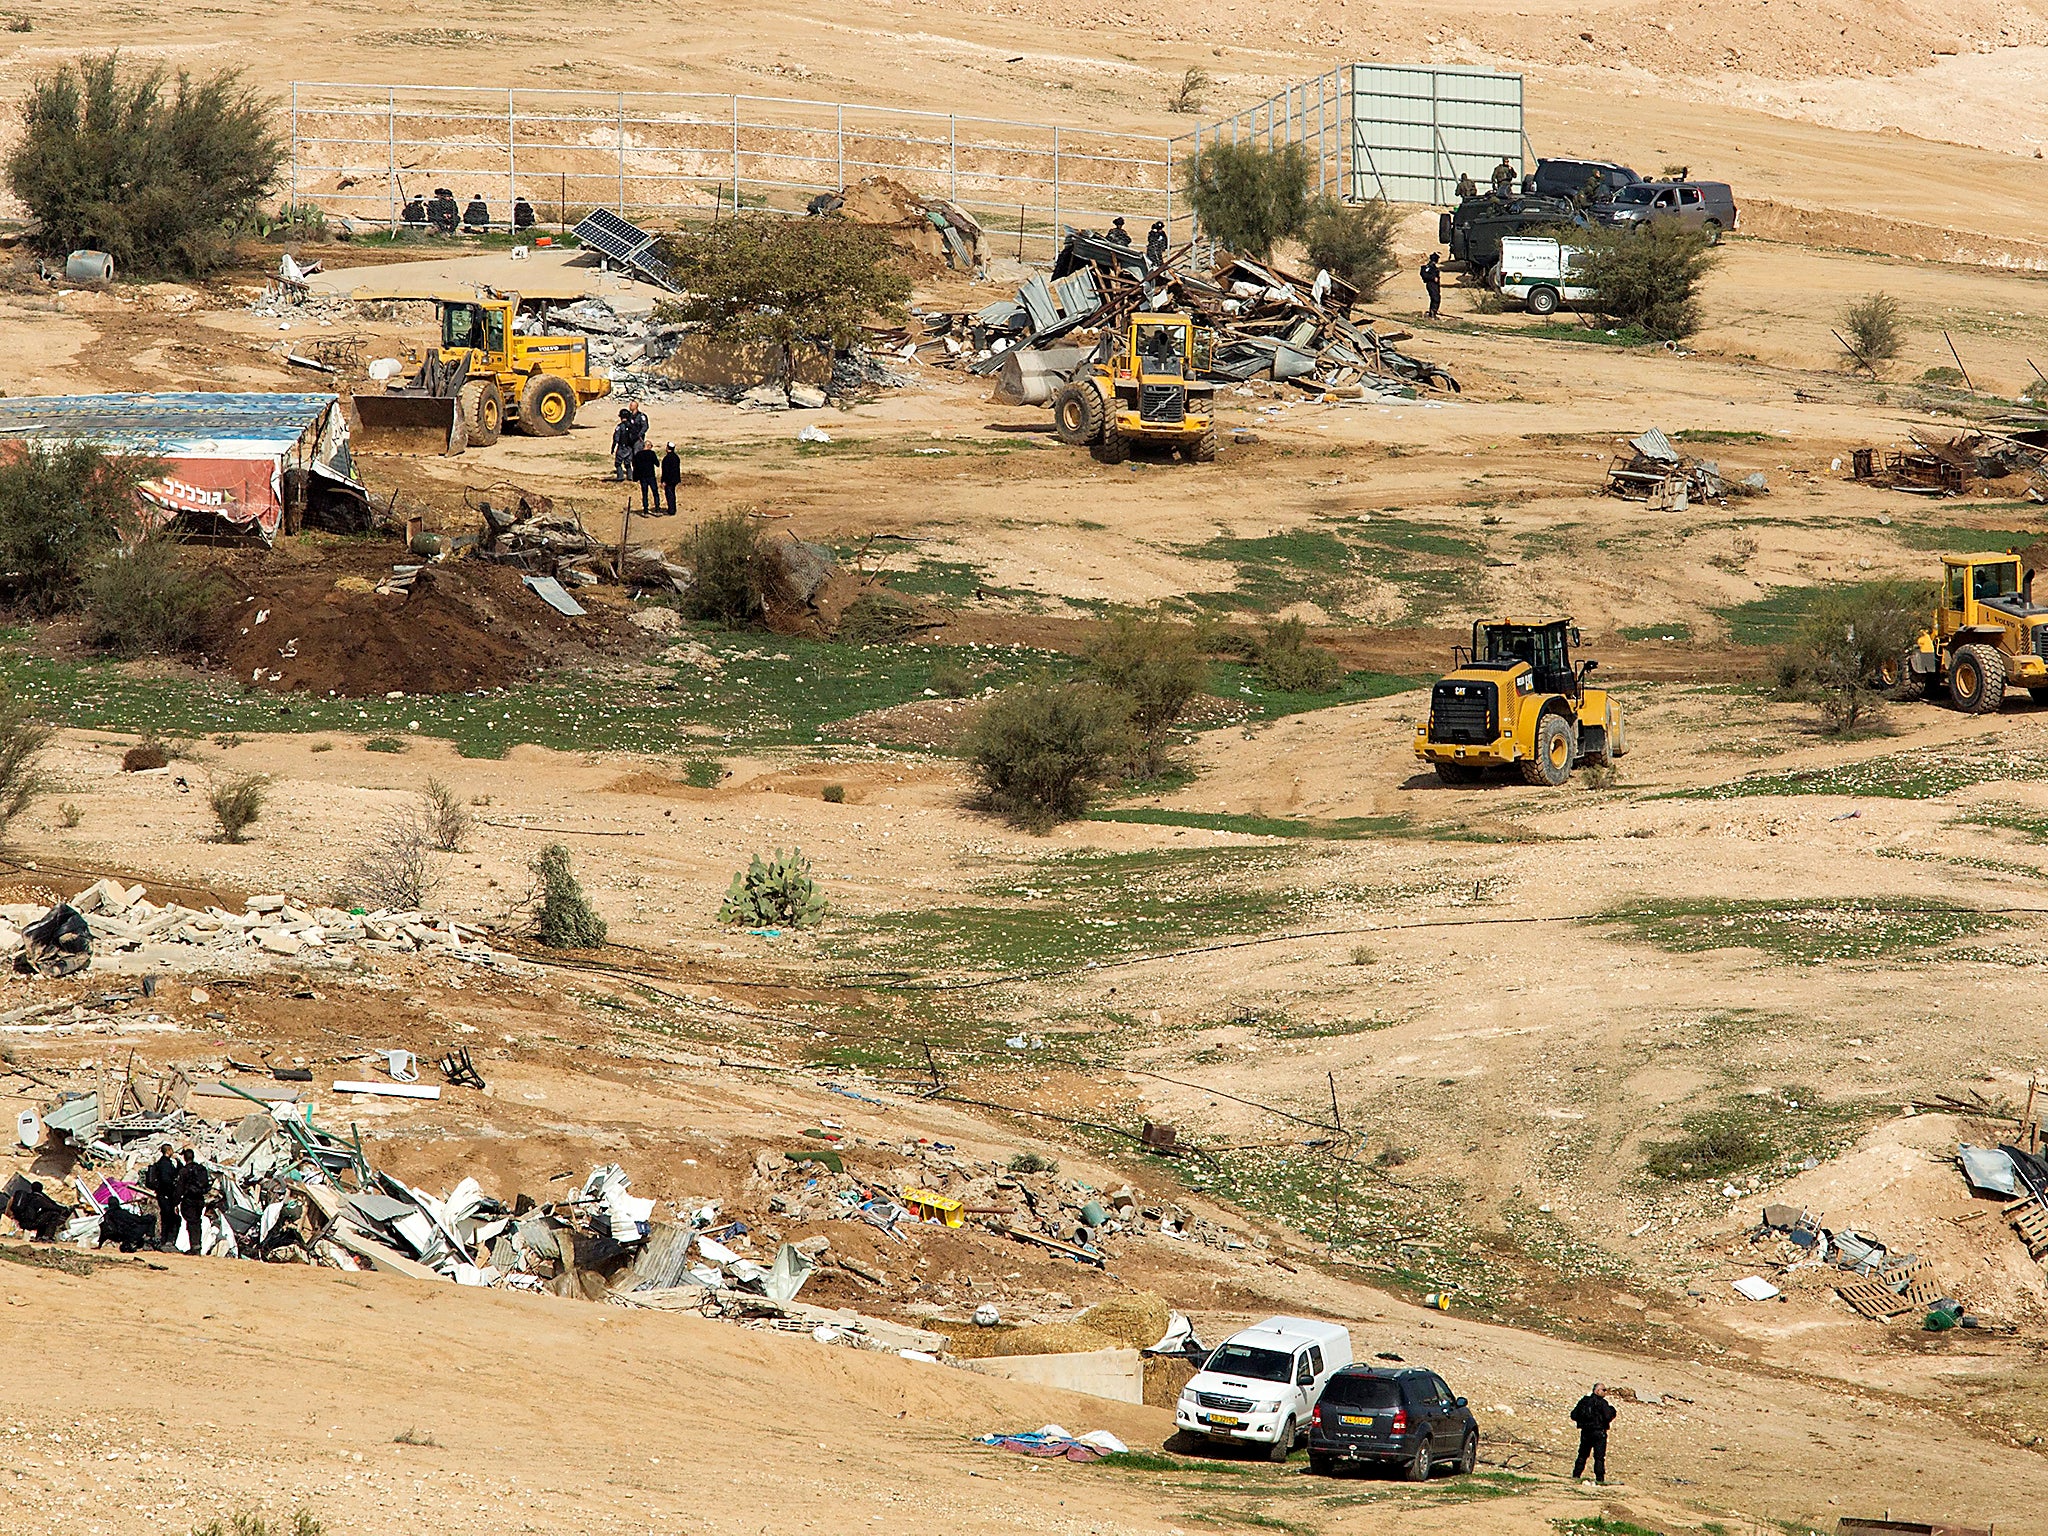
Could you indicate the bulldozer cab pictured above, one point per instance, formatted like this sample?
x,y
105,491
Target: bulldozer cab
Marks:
x,y
1159,346
478,326
1546,645
1994,582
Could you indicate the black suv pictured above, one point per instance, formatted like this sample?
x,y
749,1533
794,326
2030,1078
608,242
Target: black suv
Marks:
x,y
1596,181
1406,1417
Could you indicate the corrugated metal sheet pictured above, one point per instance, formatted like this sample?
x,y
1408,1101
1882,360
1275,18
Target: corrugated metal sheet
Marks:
x,y
216,424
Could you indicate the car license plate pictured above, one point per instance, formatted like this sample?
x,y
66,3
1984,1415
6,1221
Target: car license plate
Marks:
x,y
1359,1418
1223,1421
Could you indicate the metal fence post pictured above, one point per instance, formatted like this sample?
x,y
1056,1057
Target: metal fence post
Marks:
x,y
735,153
391,152
622,155
1055,187
1169,187
839,133
295,143
953,153
511,154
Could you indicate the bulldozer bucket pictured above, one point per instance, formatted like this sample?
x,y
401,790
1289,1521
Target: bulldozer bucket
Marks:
x,y
409,423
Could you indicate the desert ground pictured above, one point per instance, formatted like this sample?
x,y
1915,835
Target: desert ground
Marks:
x,y
1426,1041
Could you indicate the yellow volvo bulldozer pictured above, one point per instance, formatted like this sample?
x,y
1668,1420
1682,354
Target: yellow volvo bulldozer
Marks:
x,y
1988,634
1138,388
1517,699
482,377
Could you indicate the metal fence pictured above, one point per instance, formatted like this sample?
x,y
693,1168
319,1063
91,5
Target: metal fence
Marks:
x,y
1376,130
364,150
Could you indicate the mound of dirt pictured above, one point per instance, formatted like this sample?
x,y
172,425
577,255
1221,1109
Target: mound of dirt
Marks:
x,y
464,626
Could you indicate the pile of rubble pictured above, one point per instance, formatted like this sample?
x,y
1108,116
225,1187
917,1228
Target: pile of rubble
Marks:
x,y
1871,1278
1265,323
115,926
1657,473
1969,461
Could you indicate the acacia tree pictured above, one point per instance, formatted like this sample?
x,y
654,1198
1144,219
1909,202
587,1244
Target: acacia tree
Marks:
x,y
158,170
1248,198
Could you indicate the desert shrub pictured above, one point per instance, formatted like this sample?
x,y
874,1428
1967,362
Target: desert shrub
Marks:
x,y
298,221
1355,241
764,277
143,599
62,511
1158,666
1713,1147
1850,637
728,564
1249,198
237,802
833,794
1189,92
1289,664
445,816
397,870
1039,750
775,893
954,681
1647,275
22,740
877,618
150,752
387,744
1943,374
249,1522
563,917
1032,1162
156,169
1875,326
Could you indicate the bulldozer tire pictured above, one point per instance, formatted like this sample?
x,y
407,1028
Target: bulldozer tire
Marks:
x,y
1976,680
1556,747
483,411
1078,415
547,406
1113,449
1204,448
1456,775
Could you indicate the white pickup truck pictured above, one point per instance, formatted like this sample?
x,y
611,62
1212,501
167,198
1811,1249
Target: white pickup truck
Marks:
x,y
1539,273
1260,1386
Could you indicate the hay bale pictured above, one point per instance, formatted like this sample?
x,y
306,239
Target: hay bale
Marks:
x,y
1134,1321
1032,1339
1165,1375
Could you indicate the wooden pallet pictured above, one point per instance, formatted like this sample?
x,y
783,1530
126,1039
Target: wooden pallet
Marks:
x,y
1923,1290
2030,1220
1873,1298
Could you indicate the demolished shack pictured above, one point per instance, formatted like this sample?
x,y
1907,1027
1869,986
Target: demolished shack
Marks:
x,y
233,465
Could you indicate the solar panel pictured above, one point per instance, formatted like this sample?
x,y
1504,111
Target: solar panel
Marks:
x,y
628,244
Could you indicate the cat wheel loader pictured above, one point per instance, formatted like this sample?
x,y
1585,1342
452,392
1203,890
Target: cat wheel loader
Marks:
x,y
1515,699
1987,635
1138,388
483,377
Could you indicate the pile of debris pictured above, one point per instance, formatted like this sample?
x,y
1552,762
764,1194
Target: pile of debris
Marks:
x,y
1960,464
1657,473
1265,323
1877,1282
930,229
113,922
2018,1175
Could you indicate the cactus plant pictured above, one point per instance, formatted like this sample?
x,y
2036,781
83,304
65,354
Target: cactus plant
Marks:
x,y
778,892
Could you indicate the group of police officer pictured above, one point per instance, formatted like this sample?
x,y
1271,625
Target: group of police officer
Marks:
x,y
439,213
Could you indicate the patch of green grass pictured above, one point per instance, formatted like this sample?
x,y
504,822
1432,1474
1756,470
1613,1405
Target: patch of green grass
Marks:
x,y
1242,686
1596,333
1725,435
386,744
769,691
1925,773
952,580
703,773
1601,1525
1677,630
1343,829
1775,618
1805,932
1324,562
1950,539
2032,825
1069,908
1749,1131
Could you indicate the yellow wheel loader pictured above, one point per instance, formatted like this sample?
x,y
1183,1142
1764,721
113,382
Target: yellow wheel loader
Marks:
x,y
483,377
1516,699
1987,635
1138,388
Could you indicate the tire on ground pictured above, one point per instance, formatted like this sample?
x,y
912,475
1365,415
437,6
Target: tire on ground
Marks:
x,y
1114,447
1455,774
482,405
1543,301
547,406
1078,415
1283,1447
1556,747
1976,679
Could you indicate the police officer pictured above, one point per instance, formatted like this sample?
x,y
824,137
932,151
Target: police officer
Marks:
x,y
1504,175
522,213
477,215
1117,232
1155,243
160,1178
1433,281
1593,1413
194,1185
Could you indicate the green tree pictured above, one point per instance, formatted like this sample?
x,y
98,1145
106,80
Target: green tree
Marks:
x,y
1850,643
728,562
1355,241
765,277
1247,198
1876,328
1158,666
158,170
1039,750
62,511
1647,275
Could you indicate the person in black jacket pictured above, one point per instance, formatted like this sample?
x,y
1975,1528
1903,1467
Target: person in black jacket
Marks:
x,y
37,1212
671,477
1593,1413
1155,242
645,461
194,1185
160,1178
